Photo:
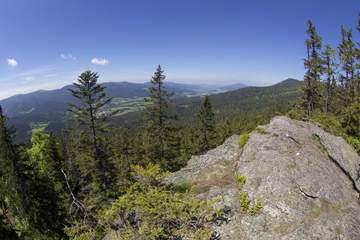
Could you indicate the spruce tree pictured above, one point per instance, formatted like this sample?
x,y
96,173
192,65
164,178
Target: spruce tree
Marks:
x,y
161,141
90,113
10,197
188,143
207,132
330,67
225,129
348,64
313,66
27,196
45,196
124,153
357,53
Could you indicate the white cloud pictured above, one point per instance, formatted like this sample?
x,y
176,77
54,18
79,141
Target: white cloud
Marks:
x,y
12,62
29,78
67,56
100,61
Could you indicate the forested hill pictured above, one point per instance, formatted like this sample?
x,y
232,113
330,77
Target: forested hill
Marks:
x,y
250,100
243,109
48,108
42,101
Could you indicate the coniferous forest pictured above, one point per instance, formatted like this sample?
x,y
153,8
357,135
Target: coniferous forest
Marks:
x,y
99,179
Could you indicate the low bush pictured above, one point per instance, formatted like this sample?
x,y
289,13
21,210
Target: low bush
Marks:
x,y
243,139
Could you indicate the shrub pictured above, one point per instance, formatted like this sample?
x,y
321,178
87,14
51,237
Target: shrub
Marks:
x,y
243,139
355,142
152,211
244,200
241,180
261,130
182,187
346,127
256,209
329,122
351,121
296,113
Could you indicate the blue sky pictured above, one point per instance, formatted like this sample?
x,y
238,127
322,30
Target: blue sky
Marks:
x,y
45,44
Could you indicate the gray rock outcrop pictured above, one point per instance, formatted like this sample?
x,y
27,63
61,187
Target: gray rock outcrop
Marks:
x,y
307,180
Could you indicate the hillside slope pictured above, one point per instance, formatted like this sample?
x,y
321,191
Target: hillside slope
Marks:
x,y
249,100
54,100
307,180
48,108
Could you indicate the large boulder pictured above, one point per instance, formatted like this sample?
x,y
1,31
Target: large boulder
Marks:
x,y
307,180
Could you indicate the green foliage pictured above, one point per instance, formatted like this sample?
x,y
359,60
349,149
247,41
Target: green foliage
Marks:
x,y
296,113
13,217
256,209
148,210
81,231
339,91
355,142
207,131
42,177
42,154
330,69
161,139
241,181
329,122
224,128
260,130
244,200
347,56
243,139
341,125
182,187
94,162
6,229
313,66
351,122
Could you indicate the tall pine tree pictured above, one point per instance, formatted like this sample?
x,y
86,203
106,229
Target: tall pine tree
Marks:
x,y
347,58
357,53
96,166
330,67
313,66
10,199
162,142
44,188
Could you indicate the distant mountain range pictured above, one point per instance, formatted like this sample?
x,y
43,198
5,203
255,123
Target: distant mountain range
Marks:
x,y
246,107
57,100
48,107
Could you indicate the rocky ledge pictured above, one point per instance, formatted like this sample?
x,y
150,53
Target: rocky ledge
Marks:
x,y
306,179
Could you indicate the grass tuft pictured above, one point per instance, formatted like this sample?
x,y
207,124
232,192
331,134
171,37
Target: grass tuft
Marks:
x,y
244,138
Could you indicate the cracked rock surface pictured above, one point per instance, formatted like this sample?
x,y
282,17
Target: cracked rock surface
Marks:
x,y
306,178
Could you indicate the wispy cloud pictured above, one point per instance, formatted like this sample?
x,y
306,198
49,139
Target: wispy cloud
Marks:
x,y
100,61
12,62
29,78
67,56
45,78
